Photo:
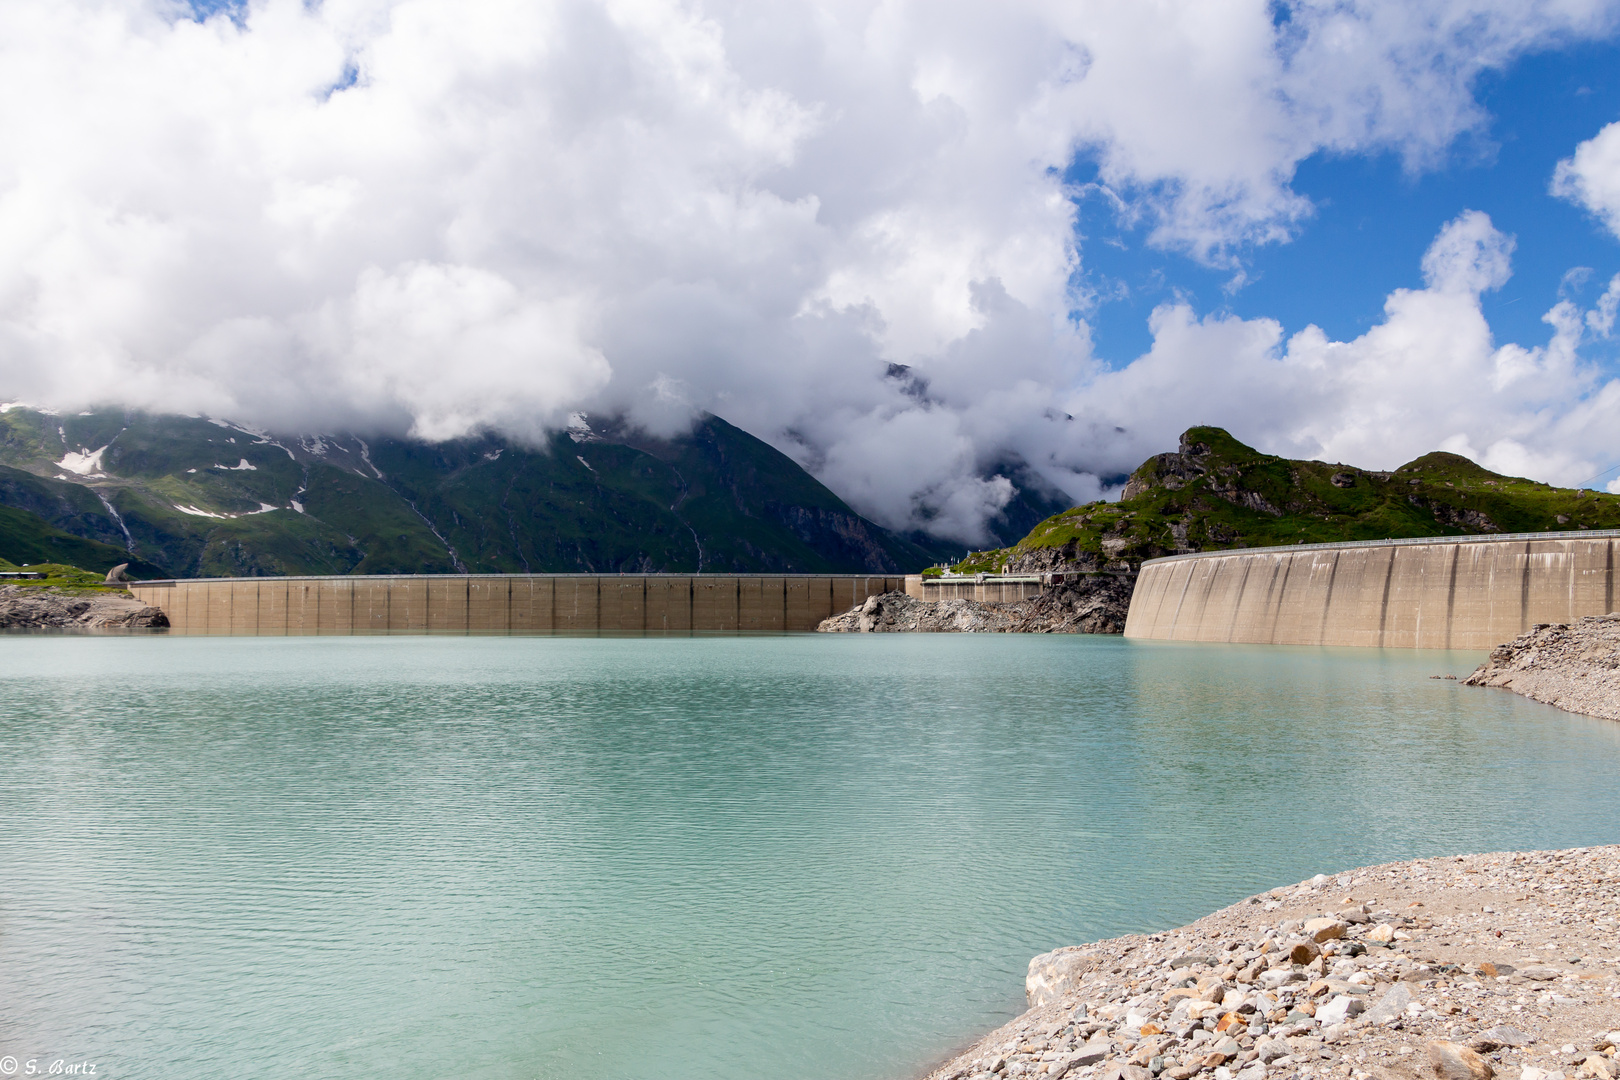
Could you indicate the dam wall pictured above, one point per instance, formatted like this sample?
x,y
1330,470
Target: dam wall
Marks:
x,y
511,603
1455,592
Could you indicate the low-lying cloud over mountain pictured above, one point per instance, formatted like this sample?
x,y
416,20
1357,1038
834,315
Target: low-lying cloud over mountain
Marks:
x,y
842,226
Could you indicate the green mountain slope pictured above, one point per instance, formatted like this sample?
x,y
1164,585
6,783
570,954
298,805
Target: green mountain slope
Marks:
x,y
28,540
201,497
1217,493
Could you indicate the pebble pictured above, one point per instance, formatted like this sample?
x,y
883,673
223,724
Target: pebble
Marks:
x,y
1465,968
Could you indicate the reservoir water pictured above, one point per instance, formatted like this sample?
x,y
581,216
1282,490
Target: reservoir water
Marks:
x,y
776,857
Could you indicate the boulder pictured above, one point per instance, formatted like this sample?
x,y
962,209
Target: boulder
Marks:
x,y
1091,1053
1056,973
1303,952
1324,929
1390,1006
1454,1062
1271,1050
1340,1009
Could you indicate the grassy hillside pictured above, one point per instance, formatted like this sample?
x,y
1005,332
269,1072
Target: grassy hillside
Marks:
x,y
28,540
201,497
61,576
1217,493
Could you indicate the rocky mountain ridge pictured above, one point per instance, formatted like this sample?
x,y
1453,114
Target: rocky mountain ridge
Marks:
x,y
1215,493
197,496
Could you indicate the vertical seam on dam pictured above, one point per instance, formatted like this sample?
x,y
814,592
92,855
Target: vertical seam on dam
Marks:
x,y
1524,585
1237,604
1282,593
1327,600
1451,592
1383,605
1186,583
1608,581
1209,587
1271,589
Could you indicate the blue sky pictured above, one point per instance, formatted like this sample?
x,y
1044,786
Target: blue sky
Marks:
x,y
1374,219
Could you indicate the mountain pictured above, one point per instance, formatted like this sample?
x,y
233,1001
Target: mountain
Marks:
x,y
1214,492
193,496
28,540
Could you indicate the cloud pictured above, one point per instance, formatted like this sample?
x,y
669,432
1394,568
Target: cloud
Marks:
x,y
1601,318
1591,177
1430,376
438,216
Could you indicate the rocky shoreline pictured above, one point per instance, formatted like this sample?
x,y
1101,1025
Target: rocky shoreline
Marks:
x,y
1575,666
1457,968
1095,604
32,607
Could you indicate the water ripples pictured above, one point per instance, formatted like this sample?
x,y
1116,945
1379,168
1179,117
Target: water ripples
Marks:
x,y
790,857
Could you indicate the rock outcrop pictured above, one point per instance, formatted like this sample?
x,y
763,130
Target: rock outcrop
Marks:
x,y
1575,666
23,608
1095,604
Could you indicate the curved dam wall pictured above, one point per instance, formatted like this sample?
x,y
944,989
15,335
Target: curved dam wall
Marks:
x,y
511,603
1461,592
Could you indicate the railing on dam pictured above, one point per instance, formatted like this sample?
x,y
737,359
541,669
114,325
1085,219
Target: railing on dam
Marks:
x,y
511,603
1444,592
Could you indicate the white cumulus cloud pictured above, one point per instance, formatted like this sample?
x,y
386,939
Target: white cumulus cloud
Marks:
x,y
1591,176
438,216
1430,376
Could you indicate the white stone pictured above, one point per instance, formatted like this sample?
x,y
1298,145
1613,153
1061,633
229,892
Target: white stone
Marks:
x,y
1391,1005
1054,974
1340,1009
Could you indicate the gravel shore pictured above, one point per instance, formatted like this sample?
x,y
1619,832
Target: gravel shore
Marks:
x,y
1456,968
1575,666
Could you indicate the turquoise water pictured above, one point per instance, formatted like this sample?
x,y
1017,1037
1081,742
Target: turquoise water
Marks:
x,y
816,857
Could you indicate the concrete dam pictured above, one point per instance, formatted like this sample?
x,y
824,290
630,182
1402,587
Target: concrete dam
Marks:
x,y
511,603
1451,592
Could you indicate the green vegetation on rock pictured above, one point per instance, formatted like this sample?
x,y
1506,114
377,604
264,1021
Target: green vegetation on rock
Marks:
x,y
60,576
1217,493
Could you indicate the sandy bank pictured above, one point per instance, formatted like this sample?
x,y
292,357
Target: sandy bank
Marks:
x,y
1575,666
34,607
1450,969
